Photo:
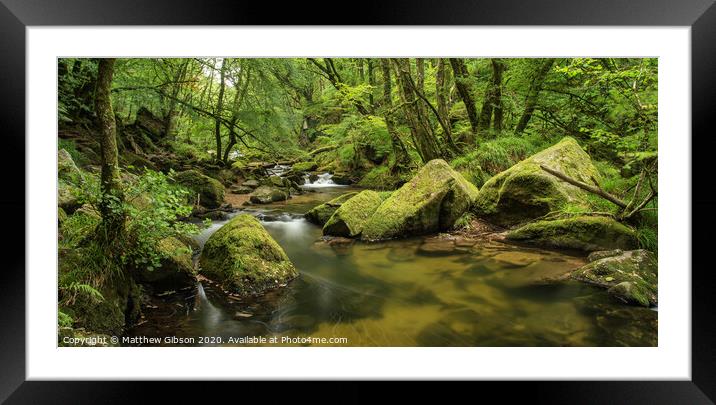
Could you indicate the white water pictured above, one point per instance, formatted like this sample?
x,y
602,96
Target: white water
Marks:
x,y
323,180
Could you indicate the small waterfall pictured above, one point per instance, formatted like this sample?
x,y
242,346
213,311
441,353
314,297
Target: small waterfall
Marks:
x,y
323,180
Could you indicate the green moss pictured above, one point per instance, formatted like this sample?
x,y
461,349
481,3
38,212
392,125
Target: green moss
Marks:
x,y
431,201
268,194
209,190
588,233
631,276
320,214
66,168
176,267
524,191
348,220
244,258
305,166
381,178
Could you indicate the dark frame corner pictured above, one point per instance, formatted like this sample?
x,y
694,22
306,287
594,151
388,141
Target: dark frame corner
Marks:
x,y
700,15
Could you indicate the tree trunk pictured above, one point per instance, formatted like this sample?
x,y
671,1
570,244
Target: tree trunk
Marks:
x,y
463,88
498,67
111,186
441,95
219,108
425,140
533,94
401,154
371,82
173,112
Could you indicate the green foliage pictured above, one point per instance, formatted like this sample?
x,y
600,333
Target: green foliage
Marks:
x,y
152,208
64,320
189,151
75,88
492,157
78,157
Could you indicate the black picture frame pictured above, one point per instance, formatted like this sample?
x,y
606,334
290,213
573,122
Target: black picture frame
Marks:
x,y
700,15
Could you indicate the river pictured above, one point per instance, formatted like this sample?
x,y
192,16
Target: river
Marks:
x,y
413,292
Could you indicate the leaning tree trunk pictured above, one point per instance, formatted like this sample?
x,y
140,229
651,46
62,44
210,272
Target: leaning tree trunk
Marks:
x,y
425,140
461,82
498,67
219,107
533,94
441,92
111,187
401,154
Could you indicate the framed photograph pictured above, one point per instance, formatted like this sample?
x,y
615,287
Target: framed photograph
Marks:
x,y
509,198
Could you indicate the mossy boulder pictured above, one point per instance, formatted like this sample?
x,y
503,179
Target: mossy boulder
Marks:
x,y
525,192
631,276
587,233
66,168
67,197
351,216
209,190
176,269
250,183
431,201
268,194
320,214
276,181
305,166
244,258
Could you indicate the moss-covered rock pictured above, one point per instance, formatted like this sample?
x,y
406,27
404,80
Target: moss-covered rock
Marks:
x,y
587,233
243,257
66,168
631,276
268,194
305,166
209,190
275,181
320,214
176,269
348,219
67,197
525,191
431,201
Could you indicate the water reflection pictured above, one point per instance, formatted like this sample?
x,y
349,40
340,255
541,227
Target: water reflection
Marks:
x,y
415,292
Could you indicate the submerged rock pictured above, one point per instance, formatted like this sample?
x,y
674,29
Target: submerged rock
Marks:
x,y
525,191
587,233
176,269
348,219
431,201
320,214
209,190
268,194
631,276
437,246
244,258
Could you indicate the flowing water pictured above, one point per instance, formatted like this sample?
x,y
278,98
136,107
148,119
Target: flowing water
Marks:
x,y
416,292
